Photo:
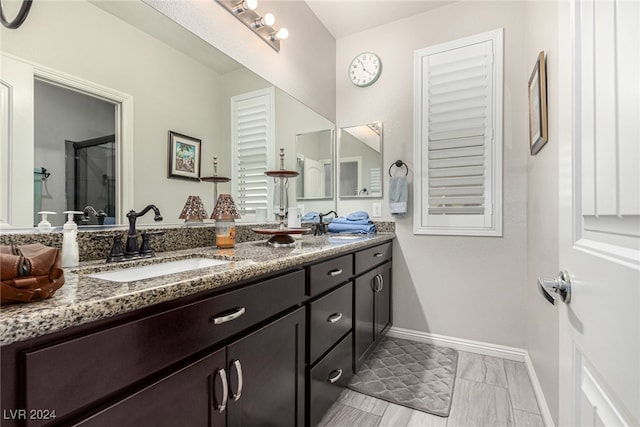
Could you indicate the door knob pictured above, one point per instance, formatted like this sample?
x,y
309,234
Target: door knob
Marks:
x,y
561,285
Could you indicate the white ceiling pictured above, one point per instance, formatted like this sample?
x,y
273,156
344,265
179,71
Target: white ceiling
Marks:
x,y
346,17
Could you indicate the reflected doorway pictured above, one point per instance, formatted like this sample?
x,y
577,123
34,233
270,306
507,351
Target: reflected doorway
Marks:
x,y
75,142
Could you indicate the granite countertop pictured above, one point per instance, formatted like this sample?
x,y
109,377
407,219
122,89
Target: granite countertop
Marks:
x,y
83,299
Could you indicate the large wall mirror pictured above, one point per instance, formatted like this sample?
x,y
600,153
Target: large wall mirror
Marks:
x,y
360,161
147,75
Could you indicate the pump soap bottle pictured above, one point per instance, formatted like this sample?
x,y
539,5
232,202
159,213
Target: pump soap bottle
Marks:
x,y
70,250
44,226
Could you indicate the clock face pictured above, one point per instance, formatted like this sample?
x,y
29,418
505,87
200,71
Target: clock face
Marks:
x,y
365,69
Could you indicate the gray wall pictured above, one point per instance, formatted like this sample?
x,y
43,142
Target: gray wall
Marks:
x,y
542,206
475,288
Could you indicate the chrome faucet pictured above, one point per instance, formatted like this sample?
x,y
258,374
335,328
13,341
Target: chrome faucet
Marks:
x,y
100,215
321,228
132,240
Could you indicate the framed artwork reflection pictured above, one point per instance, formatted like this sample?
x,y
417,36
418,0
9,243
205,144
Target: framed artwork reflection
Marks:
x,y
184,156
538,105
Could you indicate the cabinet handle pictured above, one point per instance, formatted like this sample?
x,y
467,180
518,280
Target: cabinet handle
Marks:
x,y
336,376
335,272
334,317
225,390
377,254
229,317
375,283
236,396
381,282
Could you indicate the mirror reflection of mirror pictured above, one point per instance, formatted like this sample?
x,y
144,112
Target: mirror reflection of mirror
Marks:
x,y
360,158
74,140
314,163
171,80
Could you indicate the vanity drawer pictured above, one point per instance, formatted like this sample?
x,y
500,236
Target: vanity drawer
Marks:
x,y
329,378
372,257
325,275
330,319
75,373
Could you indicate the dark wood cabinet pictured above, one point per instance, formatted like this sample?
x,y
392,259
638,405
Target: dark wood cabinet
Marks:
x,y
372,310
189,397
329,336
328,378
275,351
78,372
234,386
269,364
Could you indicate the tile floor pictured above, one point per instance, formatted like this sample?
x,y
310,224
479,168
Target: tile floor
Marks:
x,y
489,392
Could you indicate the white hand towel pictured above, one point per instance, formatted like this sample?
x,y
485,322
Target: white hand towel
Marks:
x,y
398,194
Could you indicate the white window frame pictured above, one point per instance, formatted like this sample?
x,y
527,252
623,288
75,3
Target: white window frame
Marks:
x,y
489,223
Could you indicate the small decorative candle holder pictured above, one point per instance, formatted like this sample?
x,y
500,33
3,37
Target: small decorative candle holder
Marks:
x,y
225,214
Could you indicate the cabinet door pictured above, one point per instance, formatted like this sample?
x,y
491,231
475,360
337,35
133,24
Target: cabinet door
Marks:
x,y
364,333
189,397
383,299
266,369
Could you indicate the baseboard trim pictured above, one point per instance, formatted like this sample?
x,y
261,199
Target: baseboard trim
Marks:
x,y
545,413
509,353
487,349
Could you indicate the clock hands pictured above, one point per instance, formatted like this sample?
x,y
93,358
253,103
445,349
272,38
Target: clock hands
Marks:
x,y
365,68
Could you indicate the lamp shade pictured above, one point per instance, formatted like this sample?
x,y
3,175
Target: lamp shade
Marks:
x,y
225,208
193,209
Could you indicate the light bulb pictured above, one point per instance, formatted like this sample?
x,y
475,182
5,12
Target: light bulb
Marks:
x,y
245,5
269,19
282,34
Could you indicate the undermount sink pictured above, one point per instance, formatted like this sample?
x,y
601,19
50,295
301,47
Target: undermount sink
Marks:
x,y
156,270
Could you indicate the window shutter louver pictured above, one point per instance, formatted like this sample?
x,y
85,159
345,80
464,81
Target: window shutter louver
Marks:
x,y
252,144
458,106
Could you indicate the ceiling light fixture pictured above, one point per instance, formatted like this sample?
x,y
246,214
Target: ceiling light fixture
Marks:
x,y
245,12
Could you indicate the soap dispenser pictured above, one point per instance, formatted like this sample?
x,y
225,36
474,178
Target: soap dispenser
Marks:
x,y
44,226
70,250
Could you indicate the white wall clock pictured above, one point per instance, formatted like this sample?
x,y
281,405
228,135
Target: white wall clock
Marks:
x,y
365,69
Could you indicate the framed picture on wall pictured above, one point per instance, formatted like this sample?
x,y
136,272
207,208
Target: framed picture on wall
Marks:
x,y
538,105
184,156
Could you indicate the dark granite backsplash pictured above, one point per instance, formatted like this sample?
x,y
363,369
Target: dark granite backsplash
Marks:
x,y
174,238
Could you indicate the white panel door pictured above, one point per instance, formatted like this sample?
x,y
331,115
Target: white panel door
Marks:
x,y
600,212
313,178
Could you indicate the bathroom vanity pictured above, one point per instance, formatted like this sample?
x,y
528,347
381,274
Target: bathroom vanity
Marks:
x,y
269,338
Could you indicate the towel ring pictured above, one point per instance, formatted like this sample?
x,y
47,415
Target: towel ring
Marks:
x,y
399,164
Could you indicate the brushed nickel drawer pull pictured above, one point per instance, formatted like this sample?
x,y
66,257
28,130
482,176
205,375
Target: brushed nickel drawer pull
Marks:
x,y
336,376
229,317
236,396
335,272
377,254
334,317
225,390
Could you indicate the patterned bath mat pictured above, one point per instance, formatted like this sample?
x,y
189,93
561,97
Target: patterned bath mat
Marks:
x,y
408,373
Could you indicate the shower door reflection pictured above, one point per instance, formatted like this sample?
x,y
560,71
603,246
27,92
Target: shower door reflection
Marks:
x,y
90,172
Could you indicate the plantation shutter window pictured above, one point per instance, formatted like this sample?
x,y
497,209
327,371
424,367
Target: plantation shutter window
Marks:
x,y
252,141
458,137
